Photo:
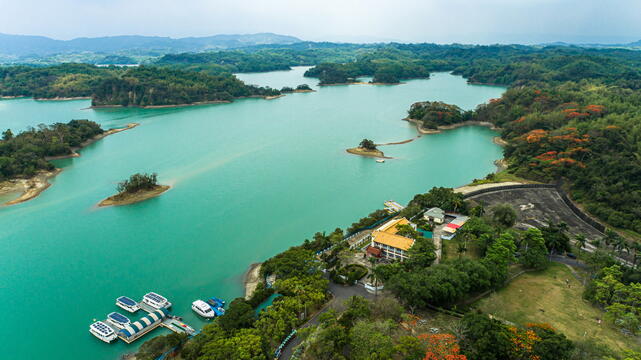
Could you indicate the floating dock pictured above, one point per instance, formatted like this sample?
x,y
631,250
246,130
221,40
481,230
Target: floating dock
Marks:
x,y
393,207
153,319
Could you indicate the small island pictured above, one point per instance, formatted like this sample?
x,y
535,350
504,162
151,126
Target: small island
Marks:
x,y
137,188
299,89
367,148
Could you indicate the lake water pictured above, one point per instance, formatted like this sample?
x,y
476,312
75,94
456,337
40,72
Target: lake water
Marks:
x,y
249,179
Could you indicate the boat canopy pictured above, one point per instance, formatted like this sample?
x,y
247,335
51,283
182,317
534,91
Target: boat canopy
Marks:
x,y
118,317
127,301
138,326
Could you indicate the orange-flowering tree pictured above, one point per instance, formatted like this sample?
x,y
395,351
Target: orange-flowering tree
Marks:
x,y
441,347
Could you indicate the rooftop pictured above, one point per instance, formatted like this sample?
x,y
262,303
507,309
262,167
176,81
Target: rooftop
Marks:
x,y
393,240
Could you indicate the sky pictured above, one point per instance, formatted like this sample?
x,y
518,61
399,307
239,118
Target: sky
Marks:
x,y
438,21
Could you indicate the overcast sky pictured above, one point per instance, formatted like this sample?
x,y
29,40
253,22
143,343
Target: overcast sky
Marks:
x,y
440,21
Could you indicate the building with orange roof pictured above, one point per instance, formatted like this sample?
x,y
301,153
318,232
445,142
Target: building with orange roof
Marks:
x,y
392,245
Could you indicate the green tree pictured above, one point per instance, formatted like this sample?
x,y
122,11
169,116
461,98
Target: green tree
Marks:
x,y
499,255
240,314
245,344
372,340
367,144
422,254
504,215
485,338
534,252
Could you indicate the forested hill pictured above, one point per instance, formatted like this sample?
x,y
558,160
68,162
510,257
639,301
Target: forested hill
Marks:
x,y
66,80
498,64
139,86
154,86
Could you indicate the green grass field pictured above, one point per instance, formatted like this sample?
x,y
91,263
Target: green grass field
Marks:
x,y
450,249
545,297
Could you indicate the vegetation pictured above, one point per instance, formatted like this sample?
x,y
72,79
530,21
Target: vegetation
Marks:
x,y
433,114
149,86
367,144
25,154
138,182
66,80
554,296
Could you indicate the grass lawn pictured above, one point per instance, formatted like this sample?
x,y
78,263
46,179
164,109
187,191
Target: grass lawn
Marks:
x,y
450,249
503,176
564,307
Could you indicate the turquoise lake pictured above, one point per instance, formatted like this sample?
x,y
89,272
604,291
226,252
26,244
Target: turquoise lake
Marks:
x,y
249,179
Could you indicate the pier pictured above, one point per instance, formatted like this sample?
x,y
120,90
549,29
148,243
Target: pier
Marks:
x,y
154,318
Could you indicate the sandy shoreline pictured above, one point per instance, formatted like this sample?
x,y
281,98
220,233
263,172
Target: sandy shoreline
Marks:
x,y
442,128
32,187
367,153
135,197
251,279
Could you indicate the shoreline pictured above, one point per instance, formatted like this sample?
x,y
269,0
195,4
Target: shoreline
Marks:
x,y
198,103
63,98
442,128
88,142
35,185
361,83
251,279
367,153
128,199
30,188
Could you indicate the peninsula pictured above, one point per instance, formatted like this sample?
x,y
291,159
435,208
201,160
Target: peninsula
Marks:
x,y
29,175
137,188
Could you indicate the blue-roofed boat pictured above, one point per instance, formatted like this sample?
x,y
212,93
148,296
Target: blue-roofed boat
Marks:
x,y
217,305
118,320
128,304
218,301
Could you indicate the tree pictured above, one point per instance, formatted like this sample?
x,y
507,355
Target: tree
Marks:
x,y
504,215
7,135
422,254
367,144
441,347
485,338
372,340
240,314
137,182
556,238
410,348
499,255
534,253
581,240
245,344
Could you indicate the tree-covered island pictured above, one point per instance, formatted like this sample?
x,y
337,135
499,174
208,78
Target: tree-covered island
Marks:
x,y
366,147
138,187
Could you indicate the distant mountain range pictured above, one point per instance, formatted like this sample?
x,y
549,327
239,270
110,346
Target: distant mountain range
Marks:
x,y
19,46
634,44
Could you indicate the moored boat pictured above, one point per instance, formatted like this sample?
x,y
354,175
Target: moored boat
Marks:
x,y
118,320
156,301
380,160
128,304
203,309
217,305
102,331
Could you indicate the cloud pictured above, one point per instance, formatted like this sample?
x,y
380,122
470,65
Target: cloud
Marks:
x,y
443,21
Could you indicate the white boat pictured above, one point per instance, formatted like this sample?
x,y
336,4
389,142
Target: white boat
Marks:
x,y
156,301
102,331
203,309
118,320
380,160
128,304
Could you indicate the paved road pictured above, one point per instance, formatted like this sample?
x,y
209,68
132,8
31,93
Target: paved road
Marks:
x,y
341,293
